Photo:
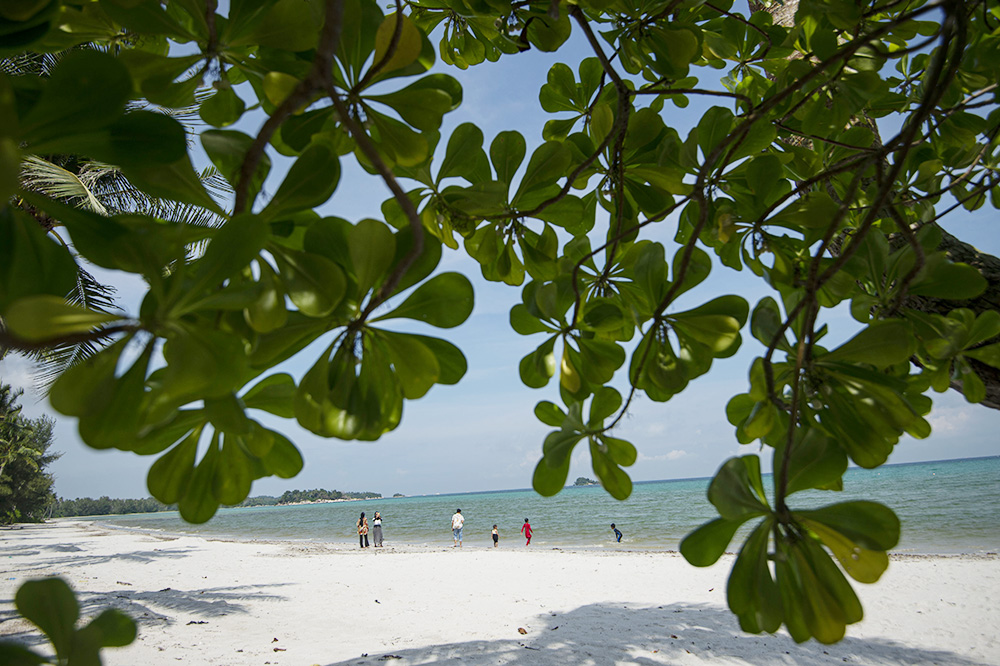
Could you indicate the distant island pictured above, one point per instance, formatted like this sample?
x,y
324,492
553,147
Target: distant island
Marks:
x,y
395,495
584,481
107,506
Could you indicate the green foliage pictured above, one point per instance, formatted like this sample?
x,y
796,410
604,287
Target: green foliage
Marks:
x,y
51,605
25,485
786,178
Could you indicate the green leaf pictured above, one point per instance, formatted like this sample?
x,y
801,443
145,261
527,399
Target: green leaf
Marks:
x,y
221,109
751,592
232,248
408,45
415,364
550,414
861,564
169,476
372,247
273,395
990,354
737,491
112,628
86,91
51,605
445,301
548,34
506,154
233,475
766,322
524,323
817,462
314,284
713,128
227,149
548,163
13,654
605,403
420,106
176,181
941,278
287,24
283,460
882,343
613,478
310,181
463,155
38,318
30,262
145,17
869,524
198,503
704,546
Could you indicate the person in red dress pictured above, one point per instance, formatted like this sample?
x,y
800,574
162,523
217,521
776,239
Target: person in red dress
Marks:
x,y
526,530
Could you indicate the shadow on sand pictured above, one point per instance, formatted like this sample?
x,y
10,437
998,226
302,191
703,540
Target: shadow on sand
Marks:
x,y
604,634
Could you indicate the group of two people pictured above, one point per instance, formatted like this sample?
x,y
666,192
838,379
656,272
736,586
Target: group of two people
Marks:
x,y
376,528
458,523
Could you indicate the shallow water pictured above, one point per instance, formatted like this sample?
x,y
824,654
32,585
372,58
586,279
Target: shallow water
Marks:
x,y
945,507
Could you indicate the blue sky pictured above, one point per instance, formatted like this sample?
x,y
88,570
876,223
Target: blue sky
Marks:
x,y
482,434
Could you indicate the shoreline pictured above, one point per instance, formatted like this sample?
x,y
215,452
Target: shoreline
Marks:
x,y
221,602
405,547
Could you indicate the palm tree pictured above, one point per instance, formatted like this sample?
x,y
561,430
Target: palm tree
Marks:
x,y
100,188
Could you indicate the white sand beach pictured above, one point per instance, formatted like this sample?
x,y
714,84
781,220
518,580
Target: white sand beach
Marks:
x,y
200,601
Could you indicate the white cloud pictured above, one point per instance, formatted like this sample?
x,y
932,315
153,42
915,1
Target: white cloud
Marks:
x,y
950,419
671,455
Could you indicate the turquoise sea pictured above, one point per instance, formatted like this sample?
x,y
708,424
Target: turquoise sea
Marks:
x,y
945,507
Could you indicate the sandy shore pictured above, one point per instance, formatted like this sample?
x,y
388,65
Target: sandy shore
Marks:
x,y
223,602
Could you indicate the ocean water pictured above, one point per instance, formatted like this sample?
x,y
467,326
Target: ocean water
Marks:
x,y
945,507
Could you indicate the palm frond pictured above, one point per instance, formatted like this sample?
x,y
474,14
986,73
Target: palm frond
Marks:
x,y
59,183
51,363
113,189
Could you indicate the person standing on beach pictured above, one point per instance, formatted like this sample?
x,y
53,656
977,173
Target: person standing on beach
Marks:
x,y
377,530
363,531
457,523
618,534
526,530
496,536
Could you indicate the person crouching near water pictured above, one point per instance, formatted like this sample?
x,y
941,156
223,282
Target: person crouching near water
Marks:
x,y
618,534
363,531
496,537
526,530
457,523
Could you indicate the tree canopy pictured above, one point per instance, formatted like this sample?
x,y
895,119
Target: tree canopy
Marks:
x,y
25,485
842,133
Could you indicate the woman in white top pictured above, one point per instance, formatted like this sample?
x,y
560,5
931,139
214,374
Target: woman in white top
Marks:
x,y
377,530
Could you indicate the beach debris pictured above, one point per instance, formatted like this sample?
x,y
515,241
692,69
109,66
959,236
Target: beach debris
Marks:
x,y
554,628
387,657
198,622
274,640
377,601
120,582
277,649
528,647
522,630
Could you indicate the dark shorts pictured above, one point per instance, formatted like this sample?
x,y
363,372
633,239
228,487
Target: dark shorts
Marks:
x,y
496,537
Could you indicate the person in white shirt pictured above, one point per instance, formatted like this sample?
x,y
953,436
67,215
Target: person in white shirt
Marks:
x,y
377,530
457,522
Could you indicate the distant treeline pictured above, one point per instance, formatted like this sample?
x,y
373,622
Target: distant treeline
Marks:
x,y
106,506
319,494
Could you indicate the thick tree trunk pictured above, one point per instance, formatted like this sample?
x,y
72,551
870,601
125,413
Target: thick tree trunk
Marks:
x,y
783,14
